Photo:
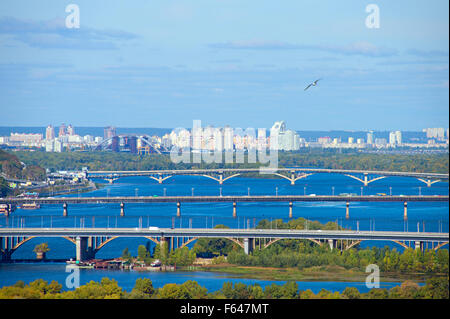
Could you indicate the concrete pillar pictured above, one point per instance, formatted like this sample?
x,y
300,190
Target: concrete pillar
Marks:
x,y
234,210
5,251
8,210
290,209
366,182
347,211
221,179
292,178
405,211
65,210
248,245
418,245
122,209
81,248
332,243
178,209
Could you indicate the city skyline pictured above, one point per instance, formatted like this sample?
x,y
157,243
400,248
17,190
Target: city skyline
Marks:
x,y
169,63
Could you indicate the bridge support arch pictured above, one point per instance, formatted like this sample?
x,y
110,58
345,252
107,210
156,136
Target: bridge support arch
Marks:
x,y
429,182
293,178
366,181
160,179
221,177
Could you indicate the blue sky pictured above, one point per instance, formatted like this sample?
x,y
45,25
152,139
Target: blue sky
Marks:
x,y
241,63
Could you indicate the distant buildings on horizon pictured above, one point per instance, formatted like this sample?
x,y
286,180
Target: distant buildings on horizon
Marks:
x,y
209,138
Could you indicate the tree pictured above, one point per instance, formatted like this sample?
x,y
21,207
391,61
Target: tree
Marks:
x,y
351,293
143,289
41,250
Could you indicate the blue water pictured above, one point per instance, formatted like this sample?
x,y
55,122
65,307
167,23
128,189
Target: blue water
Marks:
x,y
369,216
126,279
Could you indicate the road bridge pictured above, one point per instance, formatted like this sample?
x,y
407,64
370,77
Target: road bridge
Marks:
x,y
89,240
122,200
292,174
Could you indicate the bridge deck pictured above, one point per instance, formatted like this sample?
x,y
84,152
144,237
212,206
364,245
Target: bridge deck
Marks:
x,y
200,199
234,233
93,174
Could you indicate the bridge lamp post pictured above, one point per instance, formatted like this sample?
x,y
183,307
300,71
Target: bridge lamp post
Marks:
x,y
220,190
420,191
304,190
332,190
136,192
248,191
390,190
361,191
164,192
276,191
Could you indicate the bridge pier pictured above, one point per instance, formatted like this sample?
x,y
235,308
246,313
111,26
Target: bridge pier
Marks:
x,y
418,245
8,210
122,209
249,244
81,247
347,211
332,243
178,209
65,210
405,211
234,210
290,209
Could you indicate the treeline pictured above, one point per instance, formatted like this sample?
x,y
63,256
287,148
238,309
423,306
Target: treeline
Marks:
x,y
305,254
12,167
333,159
301,255
179,256
435,288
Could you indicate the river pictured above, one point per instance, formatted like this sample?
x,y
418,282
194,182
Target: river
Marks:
x,y
366,216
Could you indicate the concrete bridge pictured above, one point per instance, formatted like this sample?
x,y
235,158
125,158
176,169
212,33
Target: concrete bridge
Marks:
x,y
88,241
292,174
122,200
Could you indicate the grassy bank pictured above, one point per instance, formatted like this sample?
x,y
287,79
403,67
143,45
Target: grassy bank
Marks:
x,y
318,273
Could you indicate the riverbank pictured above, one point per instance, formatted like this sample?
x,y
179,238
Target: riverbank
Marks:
x,y
69,189
319,273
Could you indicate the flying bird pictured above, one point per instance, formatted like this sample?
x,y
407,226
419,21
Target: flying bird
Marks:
x,y
312,84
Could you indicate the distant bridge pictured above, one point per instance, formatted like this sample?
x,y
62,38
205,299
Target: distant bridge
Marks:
x,y
292,174
89,240
122,200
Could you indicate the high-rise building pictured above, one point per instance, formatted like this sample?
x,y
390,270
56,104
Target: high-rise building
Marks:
x,y
115,144
62,130
370,138
277,129
261,139
228,139
109,132
392,138
70,130
49,133
58,146
398,137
